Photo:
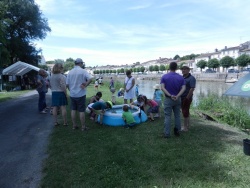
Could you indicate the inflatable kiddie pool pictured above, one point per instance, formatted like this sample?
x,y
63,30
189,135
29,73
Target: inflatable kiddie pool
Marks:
x,y
113,117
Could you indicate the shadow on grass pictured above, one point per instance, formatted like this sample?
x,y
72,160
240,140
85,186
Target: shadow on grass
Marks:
x,y
209,155
117,157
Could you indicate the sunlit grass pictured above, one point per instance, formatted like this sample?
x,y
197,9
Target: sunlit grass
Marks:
x,y
209,155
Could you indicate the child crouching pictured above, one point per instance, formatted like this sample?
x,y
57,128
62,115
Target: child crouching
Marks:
x,y
99,108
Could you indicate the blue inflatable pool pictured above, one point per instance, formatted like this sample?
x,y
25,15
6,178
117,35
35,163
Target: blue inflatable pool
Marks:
x,y
113,117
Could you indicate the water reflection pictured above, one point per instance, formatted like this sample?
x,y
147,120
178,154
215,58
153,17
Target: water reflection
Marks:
x,y
203,89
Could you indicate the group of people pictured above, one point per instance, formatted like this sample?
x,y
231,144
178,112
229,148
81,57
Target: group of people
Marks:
x,y
177,89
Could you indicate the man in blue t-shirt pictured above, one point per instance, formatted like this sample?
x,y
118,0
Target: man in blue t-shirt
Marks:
x,y
173,85
187,96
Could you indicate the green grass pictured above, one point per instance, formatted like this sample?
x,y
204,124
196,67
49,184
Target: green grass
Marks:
x,y
222,109
4,96
209,155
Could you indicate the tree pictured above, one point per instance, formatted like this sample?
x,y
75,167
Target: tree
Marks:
x,y
162,68
68,65
227,61
201,64
243,60
156,68
142,69
59,61
151,68
176,57
213,63
21,23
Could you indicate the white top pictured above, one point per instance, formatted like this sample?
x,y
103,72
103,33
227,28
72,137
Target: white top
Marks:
x,y
131,94
57,82
75,78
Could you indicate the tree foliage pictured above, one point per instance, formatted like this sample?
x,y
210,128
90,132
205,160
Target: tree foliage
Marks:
x,y
227,61
176,57
201,64
21,23
243,60
213,63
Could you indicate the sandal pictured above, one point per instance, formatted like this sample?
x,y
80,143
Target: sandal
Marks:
x,y
56,124
85,128
75,127
151,119
66,124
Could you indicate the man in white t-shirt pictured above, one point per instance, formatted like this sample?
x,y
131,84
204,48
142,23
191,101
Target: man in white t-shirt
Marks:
x,y
77,81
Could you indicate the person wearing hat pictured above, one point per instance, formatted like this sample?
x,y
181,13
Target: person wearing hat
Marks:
x,y
158,94
77,81
173,85
187,96
99,108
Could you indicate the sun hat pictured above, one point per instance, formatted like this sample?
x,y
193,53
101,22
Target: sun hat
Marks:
x,y
110,103
121,89
157,86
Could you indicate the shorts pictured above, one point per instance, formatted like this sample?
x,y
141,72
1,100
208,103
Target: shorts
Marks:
x,y
78,103
154,109
185,106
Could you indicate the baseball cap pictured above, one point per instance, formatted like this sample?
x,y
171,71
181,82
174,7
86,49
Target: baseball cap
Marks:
x,y
78,60
110,103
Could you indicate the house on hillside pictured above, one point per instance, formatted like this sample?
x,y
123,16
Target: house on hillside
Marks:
x,y
233,52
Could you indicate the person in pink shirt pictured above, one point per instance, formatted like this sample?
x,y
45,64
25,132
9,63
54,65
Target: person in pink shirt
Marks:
x,y
153,108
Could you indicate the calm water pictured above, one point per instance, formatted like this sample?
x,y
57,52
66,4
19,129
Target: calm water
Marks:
x,y
202,90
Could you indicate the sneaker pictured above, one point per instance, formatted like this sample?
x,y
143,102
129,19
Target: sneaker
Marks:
x,y
176,132
43,112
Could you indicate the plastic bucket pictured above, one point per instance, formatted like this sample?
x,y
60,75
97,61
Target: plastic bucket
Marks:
x,y
246,146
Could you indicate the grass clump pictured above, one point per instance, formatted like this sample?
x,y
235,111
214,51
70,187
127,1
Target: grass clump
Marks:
x,y
225,111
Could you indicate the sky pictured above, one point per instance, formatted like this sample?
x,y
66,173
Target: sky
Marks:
x,y
120,32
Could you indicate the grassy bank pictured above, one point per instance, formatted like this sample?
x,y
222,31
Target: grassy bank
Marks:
x,y
4,96
209,155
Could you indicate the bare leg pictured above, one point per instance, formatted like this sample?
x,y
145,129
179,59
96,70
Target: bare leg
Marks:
x,y
64,115
186,124
101,116
73,117
82,119
151,116
54,111
125,101
131,100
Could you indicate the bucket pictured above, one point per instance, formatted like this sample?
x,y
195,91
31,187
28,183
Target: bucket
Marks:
x,y
246,146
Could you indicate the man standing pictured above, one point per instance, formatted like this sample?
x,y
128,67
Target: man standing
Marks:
x,y
77,81
187,96
173,85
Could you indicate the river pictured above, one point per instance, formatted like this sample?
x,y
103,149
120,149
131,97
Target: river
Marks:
x,y
202,89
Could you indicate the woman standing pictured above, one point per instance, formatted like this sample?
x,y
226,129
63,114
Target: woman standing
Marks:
x,y
59,93
129,84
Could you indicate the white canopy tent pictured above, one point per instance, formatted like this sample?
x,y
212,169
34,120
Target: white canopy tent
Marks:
x,y
19,69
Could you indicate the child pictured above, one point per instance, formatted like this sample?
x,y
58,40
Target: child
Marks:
x,y
94,99
120,92
113,97
99,108
136,90
140,102
127,116
153,108
158,94
96,85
